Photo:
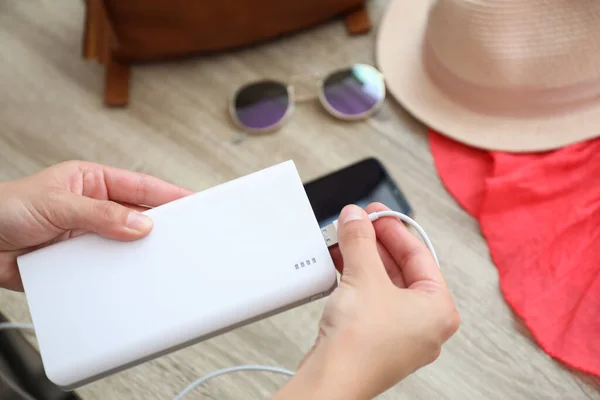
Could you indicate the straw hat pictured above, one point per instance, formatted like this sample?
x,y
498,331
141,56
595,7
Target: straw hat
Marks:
x,y
510,75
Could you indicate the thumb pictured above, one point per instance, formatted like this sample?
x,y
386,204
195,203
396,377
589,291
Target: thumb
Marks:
x,y
103,217
358,246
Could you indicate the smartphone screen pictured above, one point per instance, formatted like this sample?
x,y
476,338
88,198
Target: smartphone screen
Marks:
x,y
361,183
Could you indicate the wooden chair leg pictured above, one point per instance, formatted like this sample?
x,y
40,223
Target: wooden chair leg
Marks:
x,y
93,45
358,21
116,83
87,48
99,40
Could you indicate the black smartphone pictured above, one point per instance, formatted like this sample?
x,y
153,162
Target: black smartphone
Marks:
x,y
361,183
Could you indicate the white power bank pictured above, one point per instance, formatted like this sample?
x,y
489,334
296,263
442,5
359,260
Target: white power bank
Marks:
x,y
215,260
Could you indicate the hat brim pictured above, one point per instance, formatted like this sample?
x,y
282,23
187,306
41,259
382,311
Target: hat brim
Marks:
x,y
399,47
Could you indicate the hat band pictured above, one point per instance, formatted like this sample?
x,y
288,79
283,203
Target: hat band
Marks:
x,y
508,102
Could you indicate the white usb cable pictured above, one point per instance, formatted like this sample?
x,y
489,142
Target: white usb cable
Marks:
x,y
331,238
224,371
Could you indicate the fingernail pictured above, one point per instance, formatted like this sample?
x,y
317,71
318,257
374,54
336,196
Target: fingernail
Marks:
x,y
351,213
138,222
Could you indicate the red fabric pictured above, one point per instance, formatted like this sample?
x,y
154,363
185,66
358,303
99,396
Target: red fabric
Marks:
x,y
540,215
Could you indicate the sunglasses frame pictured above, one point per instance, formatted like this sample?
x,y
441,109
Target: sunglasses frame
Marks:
x,y
293,100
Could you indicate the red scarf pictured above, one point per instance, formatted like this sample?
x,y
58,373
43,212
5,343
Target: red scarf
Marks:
x,y
540,215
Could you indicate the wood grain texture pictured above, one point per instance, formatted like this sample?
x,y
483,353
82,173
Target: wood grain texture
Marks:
x,y
176,128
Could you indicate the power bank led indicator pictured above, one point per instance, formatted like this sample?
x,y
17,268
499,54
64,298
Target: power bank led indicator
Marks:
x,y
305,263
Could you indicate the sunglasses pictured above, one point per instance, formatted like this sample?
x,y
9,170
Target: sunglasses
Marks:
x,y
350,94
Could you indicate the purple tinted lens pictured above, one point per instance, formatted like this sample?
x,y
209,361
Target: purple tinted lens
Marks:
x,y
354,91
262,104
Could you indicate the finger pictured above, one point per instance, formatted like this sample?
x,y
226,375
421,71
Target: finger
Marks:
x,y
78,232
9,272
393,269
106,218
358,246
134,207
411,255
389,263
132,187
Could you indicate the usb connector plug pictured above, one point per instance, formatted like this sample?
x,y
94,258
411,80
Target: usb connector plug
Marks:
x,y
330,234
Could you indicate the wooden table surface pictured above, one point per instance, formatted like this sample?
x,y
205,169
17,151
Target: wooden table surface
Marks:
x,y
176,128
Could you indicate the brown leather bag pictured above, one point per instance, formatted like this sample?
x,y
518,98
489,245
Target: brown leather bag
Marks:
x,y
119,33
